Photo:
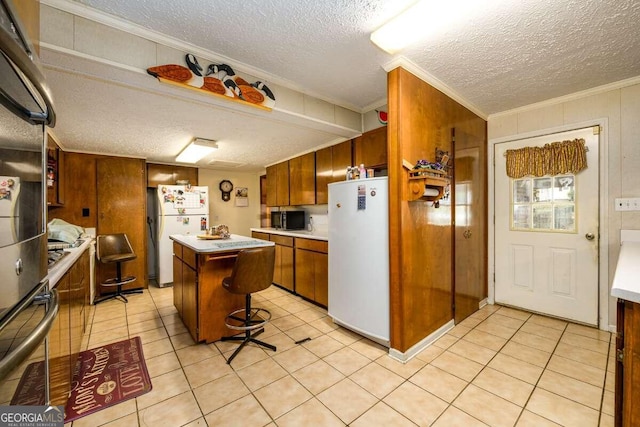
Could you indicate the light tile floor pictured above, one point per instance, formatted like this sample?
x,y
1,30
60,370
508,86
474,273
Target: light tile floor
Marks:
x,y
499,367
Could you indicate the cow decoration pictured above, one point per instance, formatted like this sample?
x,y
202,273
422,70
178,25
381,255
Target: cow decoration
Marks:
x,y
218,78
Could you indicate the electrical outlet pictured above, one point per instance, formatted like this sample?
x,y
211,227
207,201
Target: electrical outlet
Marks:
x,y
627,204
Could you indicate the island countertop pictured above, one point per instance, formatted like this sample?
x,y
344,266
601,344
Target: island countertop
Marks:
x,y
234,243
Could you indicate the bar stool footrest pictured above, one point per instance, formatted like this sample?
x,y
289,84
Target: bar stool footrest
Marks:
x,y
115,282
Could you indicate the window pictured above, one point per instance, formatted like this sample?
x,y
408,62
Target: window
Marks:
x,y
543,204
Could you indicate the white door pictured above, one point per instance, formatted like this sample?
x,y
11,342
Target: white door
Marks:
x,y
546,235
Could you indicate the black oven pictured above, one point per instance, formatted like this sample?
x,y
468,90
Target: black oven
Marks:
x,y
27,306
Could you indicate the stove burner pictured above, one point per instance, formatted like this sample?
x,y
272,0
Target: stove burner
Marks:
x,y
54,256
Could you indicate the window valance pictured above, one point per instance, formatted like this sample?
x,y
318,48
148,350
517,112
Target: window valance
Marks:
x,y
555,158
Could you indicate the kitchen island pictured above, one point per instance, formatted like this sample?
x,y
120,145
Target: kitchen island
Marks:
x,y
198,269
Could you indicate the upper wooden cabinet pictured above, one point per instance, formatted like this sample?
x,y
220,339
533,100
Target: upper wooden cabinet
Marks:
x,y
370,148
29,14
278,184
169,175
331,166
302,180
55,173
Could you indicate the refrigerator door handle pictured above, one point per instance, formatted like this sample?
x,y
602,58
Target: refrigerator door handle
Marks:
x,y
26,347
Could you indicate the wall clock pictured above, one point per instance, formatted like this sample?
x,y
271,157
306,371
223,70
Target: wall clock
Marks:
x,y
225,187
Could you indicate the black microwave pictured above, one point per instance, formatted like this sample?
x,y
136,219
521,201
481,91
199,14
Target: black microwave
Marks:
x,y
288,220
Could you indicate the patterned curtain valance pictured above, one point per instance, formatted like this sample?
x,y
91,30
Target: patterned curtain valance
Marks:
x,y
551,159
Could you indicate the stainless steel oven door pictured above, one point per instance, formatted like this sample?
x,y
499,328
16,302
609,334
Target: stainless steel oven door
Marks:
x,y
24,368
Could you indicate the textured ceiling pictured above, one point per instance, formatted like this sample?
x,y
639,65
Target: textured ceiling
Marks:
x,y
506,54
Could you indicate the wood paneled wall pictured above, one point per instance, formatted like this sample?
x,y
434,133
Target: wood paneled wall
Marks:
x,y
421,119
123,210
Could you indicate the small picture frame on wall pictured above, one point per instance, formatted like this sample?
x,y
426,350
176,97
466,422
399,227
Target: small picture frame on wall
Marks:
x,y
242,196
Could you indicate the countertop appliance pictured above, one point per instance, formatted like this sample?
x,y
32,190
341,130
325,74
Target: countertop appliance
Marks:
x,y
359,256
288,220
27,307
182,209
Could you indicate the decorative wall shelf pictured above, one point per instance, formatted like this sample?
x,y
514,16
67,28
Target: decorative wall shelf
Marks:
x,y
427,184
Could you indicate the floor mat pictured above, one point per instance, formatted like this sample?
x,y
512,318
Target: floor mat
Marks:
x,y
106,376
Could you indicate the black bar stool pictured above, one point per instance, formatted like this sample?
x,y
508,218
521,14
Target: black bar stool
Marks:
x,y
252,272
115,248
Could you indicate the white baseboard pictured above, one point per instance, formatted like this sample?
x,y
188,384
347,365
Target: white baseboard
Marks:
x,y
424,343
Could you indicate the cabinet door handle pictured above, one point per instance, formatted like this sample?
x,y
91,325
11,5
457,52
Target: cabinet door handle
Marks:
x,y
467,234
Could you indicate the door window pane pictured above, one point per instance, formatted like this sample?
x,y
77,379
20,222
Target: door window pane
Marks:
x,y
544,204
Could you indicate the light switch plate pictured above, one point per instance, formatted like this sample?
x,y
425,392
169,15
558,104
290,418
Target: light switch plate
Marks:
x,y
628,204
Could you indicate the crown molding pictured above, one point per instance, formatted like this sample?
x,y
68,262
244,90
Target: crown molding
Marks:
x,y
416,70
571,97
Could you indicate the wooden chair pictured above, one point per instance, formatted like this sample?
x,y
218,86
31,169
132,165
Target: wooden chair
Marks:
x,y
115,248
252,272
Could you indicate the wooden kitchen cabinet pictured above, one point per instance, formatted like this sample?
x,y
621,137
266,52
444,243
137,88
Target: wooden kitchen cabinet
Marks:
x,y
67,332
122,206
60,347
205,303
278,184
311,270
370,148
29,14
177,277
302,180
283,274
185,295
55,173
331,166
158,174
259,235
627,393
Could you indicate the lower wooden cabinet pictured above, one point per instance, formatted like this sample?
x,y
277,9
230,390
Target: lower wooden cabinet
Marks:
x,y
311,270
204,303
627,411
65,337
283,273
302,265
60,348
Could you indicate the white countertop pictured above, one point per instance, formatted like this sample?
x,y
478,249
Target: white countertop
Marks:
x,y
233,243
64,264
316,234
626,282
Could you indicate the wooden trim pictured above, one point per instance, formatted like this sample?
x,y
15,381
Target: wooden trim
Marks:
x,y
395,170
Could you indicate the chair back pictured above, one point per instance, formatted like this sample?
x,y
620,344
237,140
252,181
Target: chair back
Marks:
x,y
114,248
253,270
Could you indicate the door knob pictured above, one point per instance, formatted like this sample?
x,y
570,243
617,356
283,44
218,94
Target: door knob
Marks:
x,y
467,234
338,205
589,236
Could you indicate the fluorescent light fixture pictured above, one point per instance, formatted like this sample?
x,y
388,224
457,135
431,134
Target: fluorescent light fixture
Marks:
x,y
196,150
420,20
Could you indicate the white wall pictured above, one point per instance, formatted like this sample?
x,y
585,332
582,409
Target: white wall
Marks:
x,y
238,219
620,107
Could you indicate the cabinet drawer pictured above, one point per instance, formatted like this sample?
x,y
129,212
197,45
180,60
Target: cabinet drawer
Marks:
x,y
312,245
259,235
189,257
177,250
282,240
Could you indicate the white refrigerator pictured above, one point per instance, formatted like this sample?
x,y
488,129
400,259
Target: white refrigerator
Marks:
x,y
181,210
359,256
9,193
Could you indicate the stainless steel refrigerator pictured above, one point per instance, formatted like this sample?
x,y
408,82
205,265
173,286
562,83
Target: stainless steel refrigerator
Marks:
x,y
27,308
